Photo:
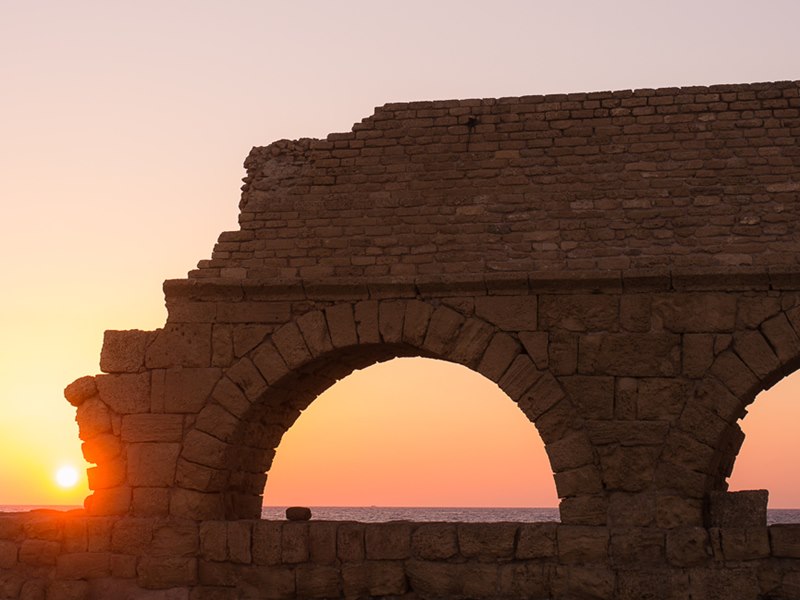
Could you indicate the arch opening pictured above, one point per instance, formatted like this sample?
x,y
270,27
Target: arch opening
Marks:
x,y
412,432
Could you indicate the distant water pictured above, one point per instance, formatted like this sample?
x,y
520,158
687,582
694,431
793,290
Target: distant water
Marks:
x,y
379,514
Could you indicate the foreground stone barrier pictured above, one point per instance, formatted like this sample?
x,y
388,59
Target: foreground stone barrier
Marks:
x,y
76,557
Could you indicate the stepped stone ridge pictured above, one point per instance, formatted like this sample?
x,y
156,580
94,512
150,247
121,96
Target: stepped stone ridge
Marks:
x,y
624,265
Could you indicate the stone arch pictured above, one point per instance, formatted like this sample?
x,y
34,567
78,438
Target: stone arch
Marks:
x,y
223,463
702,447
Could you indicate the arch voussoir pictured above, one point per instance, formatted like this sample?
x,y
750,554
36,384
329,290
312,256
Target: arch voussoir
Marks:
x,y
314,329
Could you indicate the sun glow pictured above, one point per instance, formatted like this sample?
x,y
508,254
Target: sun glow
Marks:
x,y
67,477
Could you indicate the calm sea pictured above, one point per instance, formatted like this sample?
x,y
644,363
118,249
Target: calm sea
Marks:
x,y
378,514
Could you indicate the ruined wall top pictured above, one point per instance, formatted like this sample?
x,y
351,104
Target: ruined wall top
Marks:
x,y
700,176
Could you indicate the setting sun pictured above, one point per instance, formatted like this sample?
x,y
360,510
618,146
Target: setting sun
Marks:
x,y
67,477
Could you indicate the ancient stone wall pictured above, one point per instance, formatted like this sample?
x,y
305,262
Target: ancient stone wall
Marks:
x,y
625,266
74,557
702,176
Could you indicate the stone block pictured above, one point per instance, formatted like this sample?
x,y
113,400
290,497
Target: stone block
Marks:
x,y
745,543
415,322
80,390
676,511
437,579
150,502
579,312
486,540
75,536
639,546
536,345
785,540
270,363
39,553
728,583
100,448
213,540
365,314
267,583
318,581
253,312
123,351
652,583
563,353
738,509
175,537
471,342
162,572
83,565
314,329
782,337
444,325
695,313
240,535
190,504
631,510
628,468
536,540
94,419
183,390
627,433
434,541
698,354
754,310
204,449
634,313
509,313
374,579
8,554
350,542
594,395
387,541
630,354
582,544
570,452
126,393
247,376
246,337
108,474
216,421
584,510
579,581
519,377
152,464
290,344
267,542
112,501
294,542
217,574
736,376
341,325
390,321
688,546
499,355
757,354
58,590
322,542
523,580
152,428
660,399
180,345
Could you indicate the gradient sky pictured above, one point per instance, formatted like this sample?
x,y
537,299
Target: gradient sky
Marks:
x,y
123,127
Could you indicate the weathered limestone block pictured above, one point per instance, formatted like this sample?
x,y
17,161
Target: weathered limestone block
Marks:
x,y
683,449
80,390
782,337
757,354
738,509
150,502
570,452
688,546
754,310
631,510
252,312
152,428
583,481
509,313
247,376
123,351
523,580
213,540
246,337
8,554
270,363
175,537
101,447
434,541
415,322
635,312
519,377
728,583
387,541
785,540
579,581
215,420
627,433
366,315
582,544
269,583
314,329
132,536
444,325
652,584
660,399
745,543
39,552
152,464
267,542
579,312
83,565
161,572
183,389
628,468
499,355
471,342
126,393
217,574
294,542
204,449
584,510
94,419
350,542
112,501
486,540
698,354
318,581
390,320
545,394
448,580
630,354
180,345
735,375
637,546
687,313
676,511
593,394
563,353
190,504
322,542
536,345
110,473
341,325
374,578
536,540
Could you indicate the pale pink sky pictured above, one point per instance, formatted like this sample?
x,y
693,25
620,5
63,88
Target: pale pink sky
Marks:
x,y
123,127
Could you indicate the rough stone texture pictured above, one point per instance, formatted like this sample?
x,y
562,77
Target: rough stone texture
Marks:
x,y
624,265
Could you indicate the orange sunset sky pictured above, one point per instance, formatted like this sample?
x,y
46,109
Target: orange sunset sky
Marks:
x,y
123,128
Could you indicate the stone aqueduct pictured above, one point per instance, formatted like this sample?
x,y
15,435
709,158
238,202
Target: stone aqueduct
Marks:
x,y
625,266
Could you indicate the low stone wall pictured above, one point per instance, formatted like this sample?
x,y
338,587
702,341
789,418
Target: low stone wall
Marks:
x,y
57,556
